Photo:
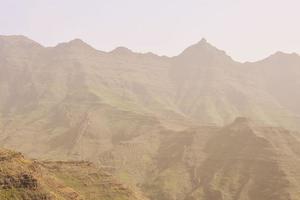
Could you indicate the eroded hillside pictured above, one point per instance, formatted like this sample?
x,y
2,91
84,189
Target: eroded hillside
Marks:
x,y
21,179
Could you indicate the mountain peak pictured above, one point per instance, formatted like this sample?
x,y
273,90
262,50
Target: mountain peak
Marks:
x,y
77,41
204,52
200,47
281,56
203,41
75,44
17,40
121,51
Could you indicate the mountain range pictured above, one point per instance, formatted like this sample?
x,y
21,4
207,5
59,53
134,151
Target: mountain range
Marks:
x,y
194,126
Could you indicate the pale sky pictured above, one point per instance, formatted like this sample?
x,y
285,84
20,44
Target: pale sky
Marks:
x,y
247,30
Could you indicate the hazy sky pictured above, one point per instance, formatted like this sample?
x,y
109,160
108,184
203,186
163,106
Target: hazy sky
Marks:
x,y
245,29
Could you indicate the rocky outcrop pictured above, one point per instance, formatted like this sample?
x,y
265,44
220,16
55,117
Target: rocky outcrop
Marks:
x,y
24,179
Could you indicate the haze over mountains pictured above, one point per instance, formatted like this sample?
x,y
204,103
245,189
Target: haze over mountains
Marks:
x,y
157,122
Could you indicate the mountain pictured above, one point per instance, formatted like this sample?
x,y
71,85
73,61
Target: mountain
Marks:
x,y
213,88
243,160
157,122
22,178
246,161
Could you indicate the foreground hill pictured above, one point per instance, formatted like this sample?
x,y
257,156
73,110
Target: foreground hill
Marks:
x,y
23,179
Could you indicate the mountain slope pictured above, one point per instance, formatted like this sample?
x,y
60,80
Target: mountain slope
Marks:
x,y
213,88
244,160
74,92
73,88
155,122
